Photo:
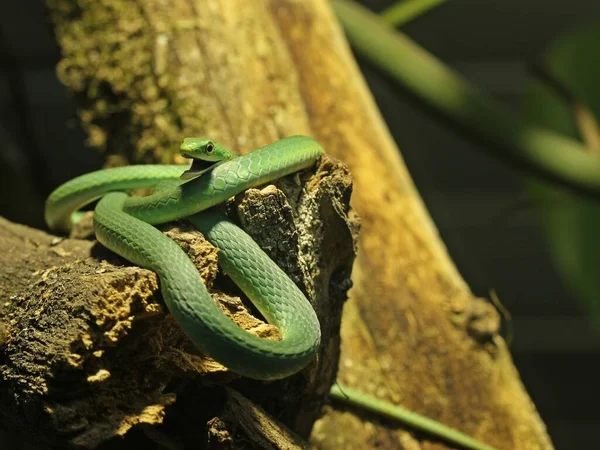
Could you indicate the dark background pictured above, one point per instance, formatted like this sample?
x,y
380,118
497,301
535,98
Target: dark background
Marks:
x,y
477,203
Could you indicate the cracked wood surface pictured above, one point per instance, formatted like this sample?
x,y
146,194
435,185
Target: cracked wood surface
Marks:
x,y
89,352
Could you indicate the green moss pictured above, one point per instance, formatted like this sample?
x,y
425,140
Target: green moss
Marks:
x,y
107,48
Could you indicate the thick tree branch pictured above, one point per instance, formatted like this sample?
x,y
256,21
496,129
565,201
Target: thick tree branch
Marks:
x,y
89,351
247,73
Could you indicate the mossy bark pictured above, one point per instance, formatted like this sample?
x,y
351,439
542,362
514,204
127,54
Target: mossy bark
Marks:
x,y
247,73
88,352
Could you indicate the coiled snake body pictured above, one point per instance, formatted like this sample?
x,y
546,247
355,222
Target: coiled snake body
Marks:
x,y
124,225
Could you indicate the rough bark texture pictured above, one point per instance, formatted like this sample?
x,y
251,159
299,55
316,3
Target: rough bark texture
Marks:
x,y
247,73
89,351
243,421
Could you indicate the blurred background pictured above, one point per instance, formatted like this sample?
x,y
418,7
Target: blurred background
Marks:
x,y
478,204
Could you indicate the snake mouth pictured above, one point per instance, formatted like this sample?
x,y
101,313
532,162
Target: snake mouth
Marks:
x,y
197,168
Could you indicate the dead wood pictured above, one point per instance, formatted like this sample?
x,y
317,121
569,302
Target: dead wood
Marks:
x,y
89,351
247,73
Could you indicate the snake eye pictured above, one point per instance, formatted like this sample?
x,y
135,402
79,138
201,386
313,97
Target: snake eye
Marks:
x,y
209,148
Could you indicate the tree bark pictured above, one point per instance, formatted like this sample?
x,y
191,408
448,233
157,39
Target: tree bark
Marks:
x,y
89,352
247,73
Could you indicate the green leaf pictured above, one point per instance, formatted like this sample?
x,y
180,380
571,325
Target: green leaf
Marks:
x,y
571,223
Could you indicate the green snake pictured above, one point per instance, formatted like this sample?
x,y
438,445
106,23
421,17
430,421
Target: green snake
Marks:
x,y
124,224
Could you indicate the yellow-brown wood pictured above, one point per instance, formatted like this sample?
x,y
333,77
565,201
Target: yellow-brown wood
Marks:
x,y
249,72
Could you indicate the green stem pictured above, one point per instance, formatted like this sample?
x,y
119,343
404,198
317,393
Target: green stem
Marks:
x,y
542,151
407,10
406,417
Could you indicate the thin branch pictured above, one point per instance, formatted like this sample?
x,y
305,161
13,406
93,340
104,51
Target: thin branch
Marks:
x,y
405,11
406,417
586,122
542,152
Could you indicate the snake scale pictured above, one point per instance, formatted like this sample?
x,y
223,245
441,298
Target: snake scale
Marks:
x,y
124,224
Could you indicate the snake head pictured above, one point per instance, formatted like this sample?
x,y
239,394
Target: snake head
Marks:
x,y
205,155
